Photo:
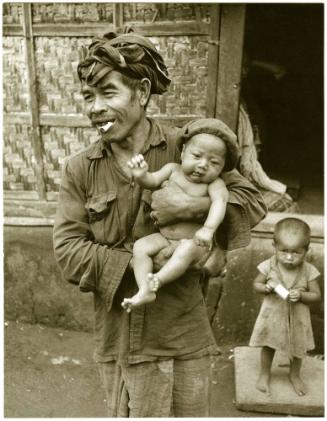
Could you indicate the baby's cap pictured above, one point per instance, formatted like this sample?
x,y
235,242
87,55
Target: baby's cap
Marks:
x,y
217,128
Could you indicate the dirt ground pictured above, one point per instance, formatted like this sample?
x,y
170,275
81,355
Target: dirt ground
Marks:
x,y
50,373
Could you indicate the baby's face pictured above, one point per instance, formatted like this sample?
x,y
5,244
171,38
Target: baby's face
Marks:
x,y
203,158
290,250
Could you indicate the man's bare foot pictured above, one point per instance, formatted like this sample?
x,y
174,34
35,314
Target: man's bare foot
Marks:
x,y
154,282
142,297
263,383
298,384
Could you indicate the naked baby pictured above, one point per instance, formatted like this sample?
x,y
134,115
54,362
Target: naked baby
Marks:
x,y
208,148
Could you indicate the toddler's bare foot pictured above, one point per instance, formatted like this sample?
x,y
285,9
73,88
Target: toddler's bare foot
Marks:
x,y
154,282
263,383
298,384
142,297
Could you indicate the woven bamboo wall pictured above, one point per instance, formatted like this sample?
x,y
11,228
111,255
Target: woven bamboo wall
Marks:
x,y
44,125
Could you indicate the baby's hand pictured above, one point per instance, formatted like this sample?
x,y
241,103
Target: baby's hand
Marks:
x,y
294,295
138,166
203,237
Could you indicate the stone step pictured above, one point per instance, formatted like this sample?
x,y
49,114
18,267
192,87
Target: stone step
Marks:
x,y
282,399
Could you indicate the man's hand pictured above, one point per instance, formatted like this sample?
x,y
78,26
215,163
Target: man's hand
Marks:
x,y
171,204
294,296
138,166
203,237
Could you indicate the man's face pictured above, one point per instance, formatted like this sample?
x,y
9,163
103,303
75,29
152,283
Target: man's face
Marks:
x,y
113,108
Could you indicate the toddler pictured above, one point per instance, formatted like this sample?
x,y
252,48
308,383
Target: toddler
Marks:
x,y
209,148
289,284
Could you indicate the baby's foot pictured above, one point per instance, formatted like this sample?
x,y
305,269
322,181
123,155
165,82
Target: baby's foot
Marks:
x,y
142,297
298,384
263,383
154,282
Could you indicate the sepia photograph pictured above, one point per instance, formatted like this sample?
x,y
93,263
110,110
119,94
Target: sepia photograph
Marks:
x,y
163,209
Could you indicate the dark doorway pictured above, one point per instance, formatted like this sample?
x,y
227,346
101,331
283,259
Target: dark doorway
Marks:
x,y
288,108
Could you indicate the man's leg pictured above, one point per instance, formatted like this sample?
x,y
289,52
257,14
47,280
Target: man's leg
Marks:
x,y
115,389
191,391
149,387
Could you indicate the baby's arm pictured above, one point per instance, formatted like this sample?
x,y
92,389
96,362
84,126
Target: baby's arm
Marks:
x,y
261,285
149,180
218,194
306,297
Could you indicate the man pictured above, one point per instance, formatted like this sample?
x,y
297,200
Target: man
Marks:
x,y
154,361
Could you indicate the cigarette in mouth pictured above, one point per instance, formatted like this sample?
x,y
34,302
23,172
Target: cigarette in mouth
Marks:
x,y
106,127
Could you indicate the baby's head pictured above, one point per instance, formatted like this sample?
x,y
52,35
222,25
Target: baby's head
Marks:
x,y
291,241
208,148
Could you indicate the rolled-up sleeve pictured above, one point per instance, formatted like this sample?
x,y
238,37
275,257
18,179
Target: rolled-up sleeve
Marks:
x,y
245,209
94,267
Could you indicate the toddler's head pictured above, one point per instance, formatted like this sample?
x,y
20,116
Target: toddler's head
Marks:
x,y
291,241
208,148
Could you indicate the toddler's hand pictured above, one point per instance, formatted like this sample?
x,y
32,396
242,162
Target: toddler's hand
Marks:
x,y
294,296
203,237
138,166
269,287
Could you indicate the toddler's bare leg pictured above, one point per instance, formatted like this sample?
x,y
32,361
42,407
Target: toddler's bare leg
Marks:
x,y
263,382
144,249
294,376
183,257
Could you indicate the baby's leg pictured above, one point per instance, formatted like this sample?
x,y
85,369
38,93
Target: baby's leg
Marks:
x,y
186,253
263,382
144,249
294,376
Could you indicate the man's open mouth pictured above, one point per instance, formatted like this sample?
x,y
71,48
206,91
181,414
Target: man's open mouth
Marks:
x,y
104,126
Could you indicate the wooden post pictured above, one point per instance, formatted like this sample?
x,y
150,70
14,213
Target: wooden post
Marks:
x,y
34,113
118,15
213,53
232,22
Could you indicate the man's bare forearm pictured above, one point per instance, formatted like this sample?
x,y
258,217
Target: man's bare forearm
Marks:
x,y
196,209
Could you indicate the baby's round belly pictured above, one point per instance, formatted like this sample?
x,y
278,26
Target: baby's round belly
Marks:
x,y
180,230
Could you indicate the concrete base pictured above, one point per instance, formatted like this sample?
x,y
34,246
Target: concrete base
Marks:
x,y
283,399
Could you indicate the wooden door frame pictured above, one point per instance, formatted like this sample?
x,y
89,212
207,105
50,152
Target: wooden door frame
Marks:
x,y
226,38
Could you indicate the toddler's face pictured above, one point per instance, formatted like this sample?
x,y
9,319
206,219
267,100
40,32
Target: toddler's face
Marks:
x,y
290,251
203,158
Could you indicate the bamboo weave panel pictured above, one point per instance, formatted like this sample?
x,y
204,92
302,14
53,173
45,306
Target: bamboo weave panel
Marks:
x,y
103,12
18,158
72,12
185,56
58,143
12,13
15,83
150,12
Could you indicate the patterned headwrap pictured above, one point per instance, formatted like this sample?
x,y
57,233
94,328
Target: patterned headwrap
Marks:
x,y
130,54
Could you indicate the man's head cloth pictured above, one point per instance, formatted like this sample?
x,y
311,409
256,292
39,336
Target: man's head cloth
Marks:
x,y
130,54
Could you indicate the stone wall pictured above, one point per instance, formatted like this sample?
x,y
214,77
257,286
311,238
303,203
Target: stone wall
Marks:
x,y
35,292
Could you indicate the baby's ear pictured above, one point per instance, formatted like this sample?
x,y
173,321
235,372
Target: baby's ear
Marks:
x,y
308,256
